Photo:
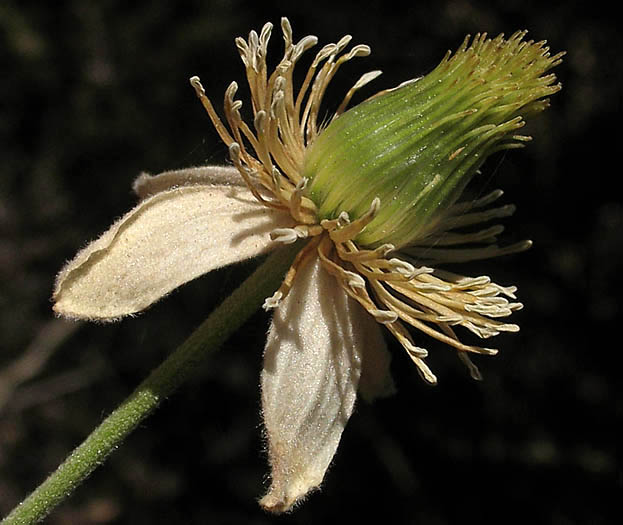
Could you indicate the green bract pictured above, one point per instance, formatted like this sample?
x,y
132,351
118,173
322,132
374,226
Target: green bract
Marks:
x,y
416,146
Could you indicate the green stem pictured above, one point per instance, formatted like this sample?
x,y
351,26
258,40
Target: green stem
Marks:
x,y
165,379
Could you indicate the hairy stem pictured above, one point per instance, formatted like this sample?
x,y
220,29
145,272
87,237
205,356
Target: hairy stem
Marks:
x,y
164,380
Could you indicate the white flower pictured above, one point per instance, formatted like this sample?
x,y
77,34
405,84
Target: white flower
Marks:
x,y
325,343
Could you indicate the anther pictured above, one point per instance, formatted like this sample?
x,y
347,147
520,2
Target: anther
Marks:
x,y
355,227
385,249
278,98
253,39
231,91
374,207
276,178
265,37
234,152
384,316
296,199
437,287
280,83
403,268
363,80
343,219
260,121
355,280
343,42
303,45
272,302
450,318
243,48
285,235
326,51
360,50
422,353
422,270
286,29
195,82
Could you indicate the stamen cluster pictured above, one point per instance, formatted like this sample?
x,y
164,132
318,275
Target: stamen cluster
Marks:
x,y
390,269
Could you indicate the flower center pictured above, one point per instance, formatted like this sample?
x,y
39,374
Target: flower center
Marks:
x,y
404,289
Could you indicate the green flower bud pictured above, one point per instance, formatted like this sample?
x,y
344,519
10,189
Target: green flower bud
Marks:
x,y
416,147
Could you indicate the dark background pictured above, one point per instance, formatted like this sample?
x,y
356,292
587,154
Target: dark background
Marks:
x,y
93,93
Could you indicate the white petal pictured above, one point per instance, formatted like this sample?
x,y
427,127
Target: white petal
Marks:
x,y
167,240
146,185
312,366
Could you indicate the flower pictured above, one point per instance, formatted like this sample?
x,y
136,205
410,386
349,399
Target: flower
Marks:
x,y
372,192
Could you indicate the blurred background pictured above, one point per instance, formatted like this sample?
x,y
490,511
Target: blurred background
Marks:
x,y
92,93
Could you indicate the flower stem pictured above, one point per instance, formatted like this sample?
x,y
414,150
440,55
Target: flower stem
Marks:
x,y
162,381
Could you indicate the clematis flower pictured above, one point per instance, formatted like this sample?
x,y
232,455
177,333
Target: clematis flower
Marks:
x,y
372,194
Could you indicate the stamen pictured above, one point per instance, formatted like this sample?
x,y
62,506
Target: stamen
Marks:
x,y
353,284
403,268
342,43
303,45
290,235
487,235
234,154
295,200
474,372
273,301
301,259
243,50
463,207
494,310
354,254
195,82
354,228
443,306
323,79
363,80
264,38
439,256
324,53
384,316
508,291
332,224
425,372
468,219
260,121
432,287
416,354
449,318
399,331
383,270
232,114
287,235
473,282
286,29
355,280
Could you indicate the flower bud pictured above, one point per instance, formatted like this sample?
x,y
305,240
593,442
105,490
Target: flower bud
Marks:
x,y
416,146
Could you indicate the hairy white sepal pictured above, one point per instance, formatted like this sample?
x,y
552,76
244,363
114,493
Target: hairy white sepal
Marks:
x,y
312,366
146,185
167,240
